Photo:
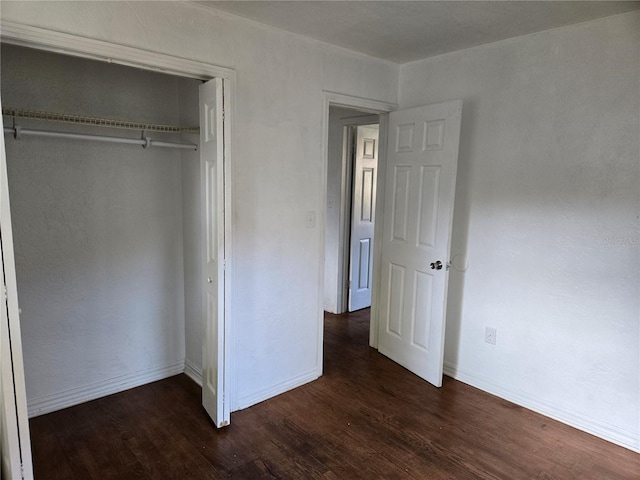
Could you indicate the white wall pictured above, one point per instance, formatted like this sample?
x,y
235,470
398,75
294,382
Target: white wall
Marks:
x,y
547,208
97,230
277,164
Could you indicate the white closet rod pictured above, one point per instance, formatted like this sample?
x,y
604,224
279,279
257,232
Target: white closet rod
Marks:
x,y
143,142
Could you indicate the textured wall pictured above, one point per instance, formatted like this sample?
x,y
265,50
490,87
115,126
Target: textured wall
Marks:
x,y
97,227
547,209
276,168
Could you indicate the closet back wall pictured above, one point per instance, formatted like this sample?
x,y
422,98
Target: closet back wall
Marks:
x,y
98,230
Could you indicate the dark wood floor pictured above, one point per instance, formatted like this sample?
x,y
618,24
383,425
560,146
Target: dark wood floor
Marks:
x,y
366,418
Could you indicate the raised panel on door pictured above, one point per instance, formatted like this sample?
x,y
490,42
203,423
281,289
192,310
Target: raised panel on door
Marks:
x,y
400,208
428,206
418,208
366,198
364,272
421,318
404,137
210,375
395,299
211,242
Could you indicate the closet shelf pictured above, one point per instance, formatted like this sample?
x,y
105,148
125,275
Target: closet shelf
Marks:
x,y
95,121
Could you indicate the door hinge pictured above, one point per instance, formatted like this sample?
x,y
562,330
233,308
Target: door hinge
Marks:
x,y
4,290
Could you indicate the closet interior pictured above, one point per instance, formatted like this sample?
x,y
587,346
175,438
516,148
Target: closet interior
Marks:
x,y
106,224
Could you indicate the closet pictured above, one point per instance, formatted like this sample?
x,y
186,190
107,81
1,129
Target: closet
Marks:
x,y
107,235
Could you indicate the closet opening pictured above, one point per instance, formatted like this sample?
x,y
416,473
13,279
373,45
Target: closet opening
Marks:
x,y
105,184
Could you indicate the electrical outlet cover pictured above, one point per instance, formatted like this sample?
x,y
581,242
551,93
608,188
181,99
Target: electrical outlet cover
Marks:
x,y
490,335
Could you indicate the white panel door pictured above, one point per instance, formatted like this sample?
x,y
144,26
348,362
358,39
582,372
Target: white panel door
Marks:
x,y
418,208
16,443
365,172
212,174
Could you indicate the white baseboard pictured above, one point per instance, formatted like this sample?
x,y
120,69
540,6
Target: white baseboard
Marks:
x,y
330,307
75,396
611,433
272,391
193,372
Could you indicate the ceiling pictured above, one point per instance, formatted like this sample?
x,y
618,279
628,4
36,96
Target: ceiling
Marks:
x,y
404,31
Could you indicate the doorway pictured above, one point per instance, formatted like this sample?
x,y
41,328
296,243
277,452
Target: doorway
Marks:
x,y
409,299
359,107
344,185
342,116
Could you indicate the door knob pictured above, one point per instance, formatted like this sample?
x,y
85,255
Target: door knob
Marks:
x,y
437,265
209,280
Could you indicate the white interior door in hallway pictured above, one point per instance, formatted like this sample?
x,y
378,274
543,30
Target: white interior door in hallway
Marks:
x,y
418,209
365,173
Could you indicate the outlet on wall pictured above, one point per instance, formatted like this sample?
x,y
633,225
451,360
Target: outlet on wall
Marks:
x,y
490,335
310,219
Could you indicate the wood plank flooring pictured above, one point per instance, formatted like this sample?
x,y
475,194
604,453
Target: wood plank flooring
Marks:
x,y
366,418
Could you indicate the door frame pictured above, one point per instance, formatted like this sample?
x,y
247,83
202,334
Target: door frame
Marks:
x,y
84,47
365,105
